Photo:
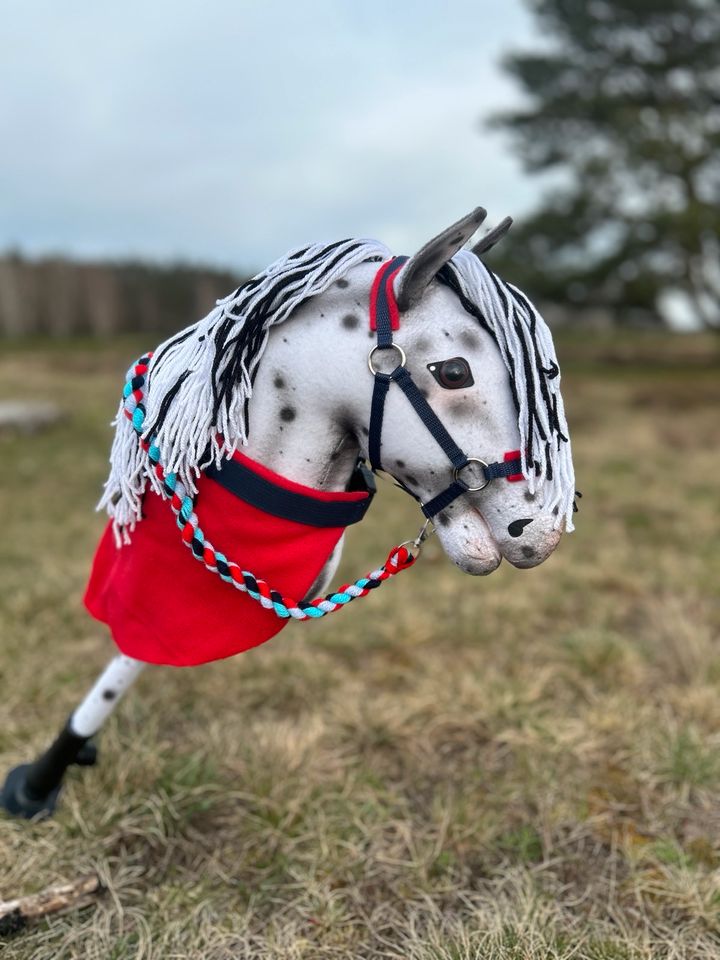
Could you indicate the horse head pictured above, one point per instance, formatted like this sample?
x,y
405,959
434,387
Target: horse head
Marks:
x,y
458,399
481,360
459,350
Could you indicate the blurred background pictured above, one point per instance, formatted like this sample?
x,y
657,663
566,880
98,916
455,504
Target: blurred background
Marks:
x,y
523,767
152,154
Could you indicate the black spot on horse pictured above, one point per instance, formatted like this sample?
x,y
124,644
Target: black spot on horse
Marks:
x,y
411,481
443,519
528,552
400,464
530,497
469,339
344,420
422,345
109,694
278,382
287,414
350,321
516,528
342,283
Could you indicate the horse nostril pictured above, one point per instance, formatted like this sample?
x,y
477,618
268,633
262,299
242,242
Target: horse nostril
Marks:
x,y
516,528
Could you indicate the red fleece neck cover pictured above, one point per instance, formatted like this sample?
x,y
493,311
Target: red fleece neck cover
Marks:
x,y
164,607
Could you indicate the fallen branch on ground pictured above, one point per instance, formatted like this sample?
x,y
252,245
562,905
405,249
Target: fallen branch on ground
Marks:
x,y
16,914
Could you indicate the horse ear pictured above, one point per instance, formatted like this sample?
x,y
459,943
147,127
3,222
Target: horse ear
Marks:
x,y
417,273
491,237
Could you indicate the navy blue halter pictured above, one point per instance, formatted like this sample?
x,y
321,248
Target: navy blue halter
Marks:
x,y
384,317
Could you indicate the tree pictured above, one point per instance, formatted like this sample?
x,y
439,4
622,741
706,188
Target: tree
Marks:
x,y
623,105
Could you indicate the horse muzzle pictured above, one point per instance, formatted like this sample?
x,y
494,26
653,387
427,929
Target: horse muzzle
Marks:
x,y
530,541
471,544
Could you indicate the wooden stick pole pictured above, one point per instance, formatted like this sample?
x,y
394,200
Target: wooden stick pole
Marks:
x,y
16,914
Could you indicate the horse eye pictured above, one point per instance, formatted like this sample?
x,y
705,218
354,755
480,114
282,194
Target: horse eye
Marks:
x,y
452,374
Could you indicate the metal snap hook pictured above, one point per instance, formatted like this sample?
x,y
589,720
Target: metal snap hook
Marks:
x,y
391,346
414,547
483,464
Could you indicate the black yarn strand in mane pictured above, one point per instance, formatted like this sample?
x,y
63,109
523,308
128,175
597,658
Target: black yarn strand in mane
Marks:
x,y
512,314
448,276
549,373
162,352
237,348
165,405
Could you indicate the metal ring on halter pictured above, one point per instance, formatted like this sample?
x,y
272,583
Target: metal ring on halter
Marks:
x,y
391,346
456,473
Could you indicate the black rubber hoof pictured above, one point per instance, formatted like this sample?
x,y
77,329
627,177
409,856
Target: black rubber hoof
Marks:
x,y
15,800
87,755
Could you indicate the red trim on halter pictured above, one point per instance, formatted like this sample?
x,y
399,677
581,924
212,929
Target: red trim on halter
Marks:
x,y
390,294
513,455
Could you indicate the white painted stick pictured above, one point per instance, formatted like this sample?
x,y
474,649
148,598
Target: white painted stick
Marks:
x,y
117,677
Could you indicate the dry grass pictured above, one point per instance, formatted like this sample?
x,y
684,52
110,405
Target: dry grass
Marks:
x,y
521,767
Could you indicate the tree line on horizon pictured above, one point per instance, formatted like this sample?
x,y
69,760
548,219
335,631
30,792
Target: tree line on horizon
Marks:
x,y
58,297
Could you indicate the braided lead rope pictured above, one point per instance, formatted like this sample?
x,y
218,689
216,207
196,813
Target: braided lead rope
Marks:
x,y
183,506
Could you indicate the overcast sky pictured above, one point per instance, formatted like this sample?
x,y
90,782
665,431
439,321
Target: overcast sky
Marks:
x,y
227,132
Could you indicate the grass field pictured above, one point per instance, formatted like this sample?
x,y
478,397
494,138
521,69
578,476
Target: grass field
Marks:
x,y
513,768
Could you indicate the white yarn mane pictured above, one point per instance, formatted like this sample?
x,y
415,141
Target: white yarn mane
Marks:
x,y
199,381
527,349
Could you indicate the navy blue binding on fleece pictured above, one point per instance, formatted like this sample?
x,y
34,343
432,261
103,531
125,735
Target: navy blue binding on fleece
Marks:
x,y
381,309
262,493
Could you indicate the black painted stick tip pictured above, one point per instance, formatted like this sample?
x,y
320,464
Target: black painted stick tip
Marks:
x,y
14,798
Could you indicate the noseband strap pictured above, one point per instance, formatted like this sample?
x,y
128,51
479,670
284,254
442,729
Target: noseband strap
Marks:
x,y
385,318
